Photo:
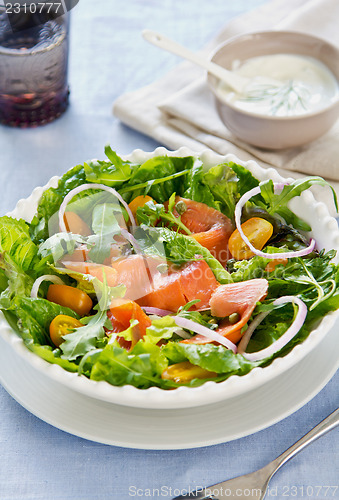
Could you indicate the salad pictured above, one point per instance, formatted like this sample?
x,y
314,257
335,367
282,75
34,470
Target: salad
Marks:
x,y
164,273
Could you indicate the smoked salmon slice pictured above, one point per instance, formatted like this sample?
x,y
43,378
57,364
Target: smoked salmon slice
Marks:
x,y
238,298
193,281
146,285
210,227
96,270
121,313
135,272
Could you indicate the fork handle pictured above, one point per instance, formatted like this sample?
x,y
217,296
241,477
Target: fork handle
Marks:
x,y
319,430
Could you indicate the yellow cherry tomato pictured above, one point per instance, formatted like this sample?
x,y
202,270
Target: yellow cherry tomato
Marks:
x,y
184,372
139,201
62,325
257,230
75,224
71,297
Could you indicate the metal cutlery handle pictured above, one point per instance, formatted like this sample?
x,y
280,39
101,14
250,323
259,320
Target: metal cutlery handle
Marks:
x,y
319,430
261,477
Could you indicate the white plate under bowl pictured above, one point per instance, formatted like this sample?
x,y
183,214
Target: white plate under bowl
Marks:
x,y
324,230
141,428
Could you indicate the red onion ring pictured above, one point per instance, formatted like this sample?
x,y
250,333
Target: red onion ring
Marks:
x,y
250,330
206,332
156,310
284,339
45,277
238,210
84,187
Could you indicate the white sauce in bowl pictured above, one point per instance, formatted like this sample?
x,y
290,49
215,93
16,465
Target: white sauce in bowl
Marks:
x,y
283,85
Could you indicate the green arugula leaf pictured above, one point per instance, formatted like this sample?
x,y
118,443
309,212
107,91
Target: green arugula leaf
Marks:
x,y
203,318
86,338
246,181
180,248
105,226
151,214
277,203
111,173
60,244
292,219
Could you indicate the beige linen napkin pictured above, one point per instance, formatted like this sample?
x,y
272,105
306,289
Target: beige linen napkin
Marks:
x,y
178,110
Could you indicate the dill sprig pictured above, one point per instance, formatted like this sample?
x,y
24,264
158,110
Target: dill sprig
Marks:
x,y
287,96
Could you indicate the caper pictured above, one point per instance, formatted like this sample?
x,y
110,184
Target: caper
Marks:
x,y
162,268
213,323
234,318
181,207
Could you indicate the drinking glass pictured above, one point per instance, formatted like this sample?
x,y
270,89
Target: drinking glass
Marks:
x,y
34,40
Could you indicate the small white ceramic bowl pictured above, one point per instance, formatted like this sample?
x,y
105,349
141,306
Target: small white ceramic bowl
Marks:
x,y
275,132
324,230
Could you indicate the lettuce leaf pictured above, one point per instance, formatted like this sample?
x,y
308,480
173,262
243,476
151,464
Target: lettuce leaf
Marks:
x,y
227,182
51,200
141,367
18,283
158,177
16,242
162,328
196,189
209,356
34,317
20,263
53,356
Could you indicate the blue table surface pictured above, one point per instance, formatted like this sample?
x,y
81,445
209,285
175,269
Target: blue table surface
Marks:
x,y
38,461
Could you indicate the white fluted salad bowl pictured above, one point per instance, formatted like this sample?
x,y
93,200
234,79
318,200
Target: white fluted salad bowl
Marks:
x,y
324,230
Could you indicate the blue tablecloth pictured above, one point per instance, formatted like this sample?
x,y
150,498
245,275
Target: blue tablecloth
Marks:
x,y
38,461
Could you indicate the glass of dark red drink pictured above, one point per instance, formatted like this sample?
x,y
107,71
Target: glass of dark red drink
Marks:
x,y
34,39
